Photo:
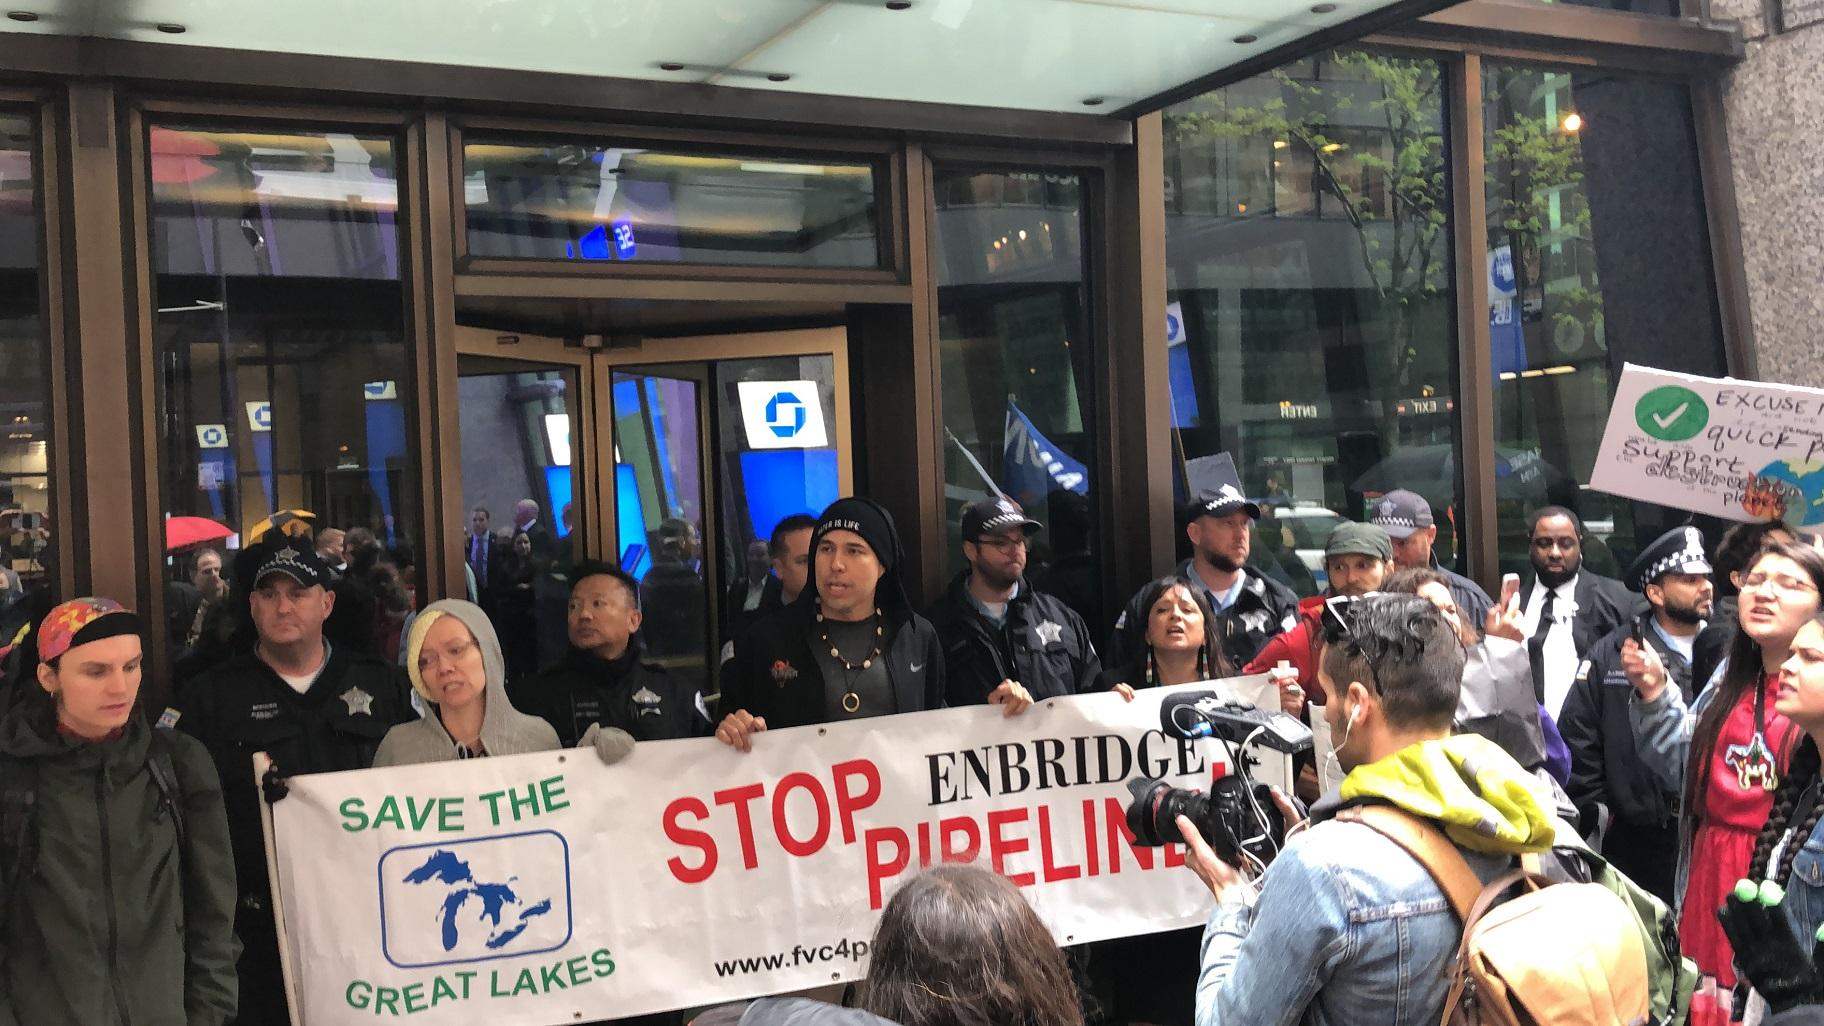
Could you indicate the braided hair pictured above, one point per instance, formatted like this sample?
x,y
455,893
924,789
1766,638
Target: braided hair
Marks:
x,y
1801,776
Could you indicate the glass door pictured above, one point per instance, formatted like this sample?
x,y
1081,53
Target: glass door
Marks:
x,y
712,451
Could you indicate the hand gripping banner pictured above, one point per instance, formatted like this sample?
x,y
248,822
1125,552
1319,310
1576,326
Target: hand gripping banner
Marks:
x,y
550,888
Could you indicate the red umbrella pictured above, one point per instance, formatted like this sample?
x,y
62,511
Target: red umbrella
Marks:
x,y
184,532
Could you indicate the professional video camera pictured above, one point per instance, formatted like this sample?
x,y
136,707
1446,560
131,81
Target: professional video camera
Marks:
x,y
1238,817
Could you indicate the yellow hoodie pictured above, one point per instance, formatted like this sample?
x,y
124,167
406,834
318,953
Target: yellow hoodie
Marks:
x,y
1483,798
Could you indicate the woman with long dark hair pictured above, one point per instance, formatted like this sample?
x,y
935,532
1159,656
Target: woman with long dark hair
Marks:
x,y
958,945
1176,647
1729,751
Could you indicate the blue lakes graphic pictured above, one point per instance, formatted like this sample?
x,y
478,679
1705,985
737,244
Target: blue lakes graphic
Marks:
x,y
472,900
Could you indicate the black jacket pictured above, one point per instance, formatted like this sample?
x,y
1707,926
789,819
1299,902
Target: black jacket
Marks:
x,y
775,676
1264,608
735,619
640,698
241,707
1605,767
1603,604
1043,644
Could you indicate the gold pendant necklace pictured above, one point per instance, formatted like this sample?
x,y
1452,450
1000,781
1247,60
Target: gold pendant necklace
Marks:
x,y
851,700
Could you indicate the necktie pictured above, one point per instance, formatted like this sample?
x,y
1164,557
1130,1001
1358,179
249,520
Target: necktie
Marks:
x,y
478,560
1535,645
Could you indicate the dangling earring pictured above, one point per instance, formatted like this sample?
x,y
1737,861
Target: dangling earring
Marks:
x,y
1149,667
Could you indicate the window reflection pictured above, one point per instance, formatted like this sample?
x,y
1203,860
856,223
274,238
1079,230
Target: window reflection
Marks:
x,y
26,552
1015,351
282,373
619,204
1592,263
1310,295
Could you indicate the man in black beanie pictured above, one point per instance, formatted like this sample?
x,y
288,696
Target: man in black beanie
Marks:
x,y
850,646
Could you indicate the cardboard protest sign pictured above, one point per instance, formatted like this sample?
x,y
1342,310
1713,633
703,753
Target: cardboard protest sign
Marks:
x,y
1743,450
550,888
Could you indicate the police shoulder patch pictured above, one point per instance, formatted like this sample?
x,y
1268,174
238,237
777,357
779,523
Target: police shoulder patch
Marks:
x,y
169,717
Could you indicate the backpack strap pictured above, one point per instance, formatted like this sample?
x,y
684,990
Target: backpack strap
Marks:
x,y
164,776
1429,847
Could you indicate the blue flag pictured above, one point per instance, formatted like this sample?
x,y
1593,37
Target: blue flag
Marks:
x,y
1032,467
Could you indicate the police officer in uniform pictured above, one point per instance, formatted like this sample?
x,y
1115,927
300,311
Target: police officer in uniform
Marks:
x,y
312,706
1250,607
1606,772
602,678
996,627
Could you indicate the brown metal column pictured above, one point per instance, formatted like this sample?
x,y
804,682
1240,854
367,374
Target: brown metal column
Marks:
x,y
1729,266
430,208
1136,510
113,487
1475,362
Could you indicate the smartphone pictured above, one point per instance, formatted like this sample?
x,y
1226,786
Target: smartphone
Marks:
x,y
1510,589
1635,633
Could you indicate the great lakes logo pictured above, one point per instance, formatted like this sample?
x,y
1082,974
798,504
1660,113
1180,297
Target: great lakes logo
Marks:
x,y
473,900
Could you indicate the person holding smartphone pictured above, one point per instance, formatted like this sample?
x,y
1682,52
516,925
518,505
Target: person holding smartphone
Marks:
x,y
1609,783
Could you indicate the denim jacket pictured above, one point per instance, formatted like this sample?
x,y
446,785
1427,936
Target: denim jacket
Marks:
x,y
1348,928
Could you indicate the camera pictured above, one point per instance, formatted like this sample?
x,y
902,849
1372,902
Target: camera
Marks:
x,y
1238,817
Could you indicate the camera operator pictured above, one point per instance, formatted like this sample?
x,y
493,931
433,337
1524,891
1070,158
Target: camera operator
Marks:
x,y
1345,926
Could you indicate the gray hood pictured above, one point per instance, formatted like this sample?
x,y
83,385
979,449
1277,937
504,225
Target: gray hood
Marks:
x,y
504,729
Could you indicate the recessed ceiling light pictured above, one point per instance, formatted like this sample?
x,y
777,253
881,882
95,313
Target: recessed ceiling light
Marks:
x,y
671,66
22,16
1246,39
1322,8
1094,101
778,76
171,28
898,5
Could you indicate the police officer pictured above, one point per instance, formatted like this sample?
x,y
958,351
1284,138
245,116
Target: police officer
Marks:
x,y
1642,835
602,678
997,628
1250,607
312,706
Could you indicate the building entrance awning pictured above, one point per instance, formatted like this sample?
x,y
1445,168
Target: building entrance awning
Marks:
x,y
1108,57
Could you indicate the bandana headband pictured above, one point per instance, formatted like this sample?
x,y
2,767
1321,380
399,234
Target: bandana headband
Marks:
x,y
80,621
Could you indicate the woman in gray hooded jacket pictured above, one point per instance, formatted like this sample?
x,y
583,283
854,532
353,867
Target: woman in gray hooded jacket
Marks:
x,y
454,660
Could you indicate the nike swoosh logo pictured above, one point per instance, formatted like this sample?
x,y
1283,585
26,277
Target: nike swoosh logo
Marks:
x,y
1667,419
917,667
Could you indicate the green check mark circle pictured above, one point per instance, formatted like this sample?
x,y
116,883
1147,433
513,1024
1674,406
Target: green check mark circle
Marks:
x,y
1671,413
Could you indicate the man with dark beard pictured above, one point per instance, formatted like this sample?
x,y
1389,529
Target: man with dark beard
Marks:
x,y
1607,776
997,628
1567,609
1250,607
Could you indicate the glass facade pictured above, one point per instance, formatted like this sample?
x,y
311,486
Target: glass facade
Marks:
x,y
628,205
27,548
1015,350
1592,264
1310,301
283,378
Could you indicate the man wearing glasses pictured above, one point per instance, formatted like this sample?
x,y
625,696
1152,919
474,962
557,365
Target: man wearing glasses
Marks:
x,y
996,628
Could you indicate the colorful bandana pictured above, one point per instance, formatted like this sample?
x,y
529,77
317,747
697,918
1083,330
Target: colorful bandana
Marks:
x,y
80,621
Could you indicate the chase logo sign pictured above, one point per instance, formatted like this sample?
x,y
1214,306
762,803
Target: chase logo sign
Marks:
x,y
450,902
782,415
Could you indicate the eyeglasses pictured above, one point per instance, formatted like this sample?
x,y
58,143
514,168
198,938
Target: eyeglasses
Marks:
x,y
1001,543
1775,582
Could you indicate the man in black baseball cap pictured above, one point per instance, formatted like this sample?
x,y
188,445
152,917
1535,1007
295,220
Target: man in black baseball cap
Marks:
x,y
1651,650
312,706
1406,517
849,647
997,629
1250,607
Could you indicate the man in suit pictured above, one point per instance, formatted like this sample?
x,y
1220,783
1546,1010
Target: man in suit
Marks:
x,y
485,555
1567,608
525,521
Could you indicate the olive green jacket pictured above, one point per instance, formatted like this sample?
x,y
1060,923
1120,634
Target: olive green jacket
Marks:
x,y
116,926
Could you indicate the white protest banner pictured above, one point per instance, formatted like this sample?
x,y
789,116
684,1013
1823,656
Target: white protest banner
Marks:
x,y
548,888
1743,450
